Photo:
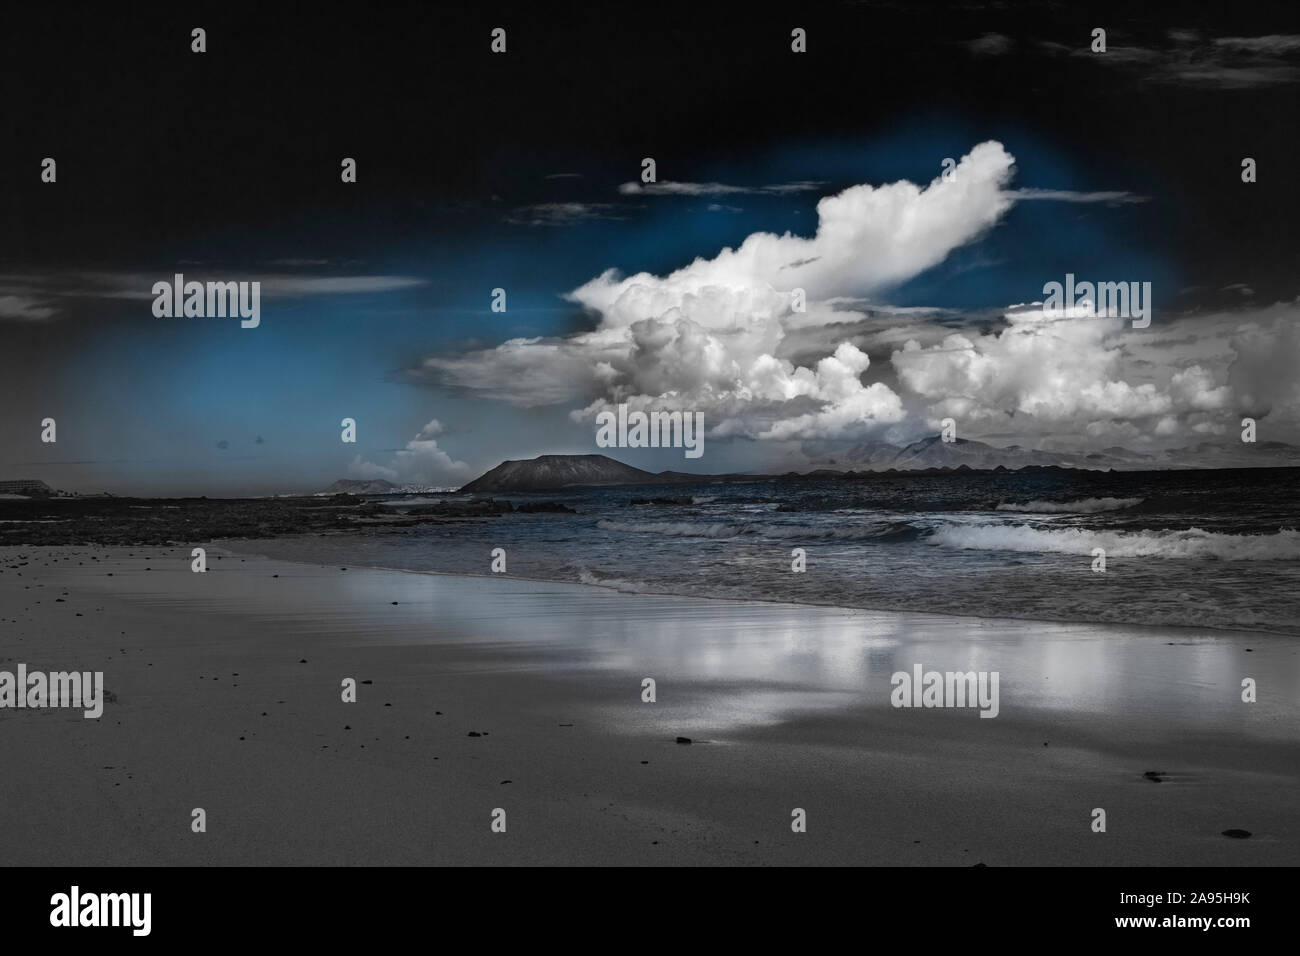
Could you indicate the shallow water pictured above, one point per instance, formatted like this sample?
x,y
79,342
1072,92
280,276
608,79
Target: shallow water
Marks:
x,y
1216,549
761,662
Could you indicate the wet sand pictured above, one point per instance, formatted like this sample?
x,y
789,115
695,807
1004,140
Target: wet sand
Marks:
x,y
786,706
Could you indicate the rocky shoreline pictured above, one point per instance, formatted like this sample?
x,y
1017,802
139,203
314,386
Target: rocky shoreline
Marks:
x,y
161,521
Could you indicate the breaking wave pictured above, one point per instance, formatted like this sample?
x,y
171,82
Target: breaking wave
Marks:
x,y
876,530
598,579
1082,506
1192,543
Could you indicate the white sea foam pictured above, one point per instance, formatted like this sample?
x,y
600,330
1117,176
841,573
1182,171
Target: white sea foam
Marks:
x,y
1082,506
618,584
1191,543
699,529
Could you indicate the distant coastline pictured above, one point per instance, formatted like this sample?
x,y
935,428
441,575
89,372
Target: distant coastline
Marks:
x,y
559,472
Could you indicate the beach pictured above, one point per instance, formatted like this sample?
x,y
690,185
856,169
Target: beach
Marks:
x,y
483,693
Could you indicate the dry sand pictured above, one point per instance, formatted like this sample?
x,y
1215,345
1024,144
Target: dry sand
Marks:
x,y
787,707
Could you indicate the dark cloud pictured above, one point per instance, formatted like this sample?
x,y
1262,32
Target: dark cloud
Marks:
x,y
991,44
1189,59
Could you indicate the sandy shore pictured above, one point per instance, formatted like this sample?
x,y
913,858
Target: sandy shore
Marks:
x,y
226,696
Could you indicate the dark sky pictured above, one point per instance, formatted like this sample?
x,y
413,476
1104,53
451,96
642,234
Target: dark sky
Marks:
x,y
479,170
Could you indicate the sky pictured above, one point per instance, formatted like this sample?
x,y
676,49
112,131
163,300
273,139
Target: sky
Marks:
x,y
774,170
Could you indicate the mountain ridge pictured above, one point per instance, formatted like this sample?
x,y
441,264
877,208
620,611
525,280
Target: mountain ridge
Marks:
x,y
928,455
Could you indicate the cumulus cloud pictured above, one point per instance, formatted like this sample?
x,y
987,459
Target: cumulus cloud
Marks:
x,y
1263,370
421,462
1074,374
720,336
708,336
867,237
525,372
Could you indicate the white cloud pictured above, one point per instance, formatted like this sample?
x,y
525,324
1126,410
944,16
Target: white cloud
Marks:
x,y
719,336
867,237
421,462
522,372
708,336
1069,376
1263,370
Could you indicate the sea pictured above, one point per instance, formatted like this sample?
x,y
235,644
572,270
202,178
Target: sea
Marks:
x,y
1197,549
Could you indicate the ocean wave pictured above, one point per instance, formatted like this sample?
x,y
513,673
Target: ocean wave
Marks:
x,y
838,531
846,531
677,529
1082,506
597,579
1191,543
